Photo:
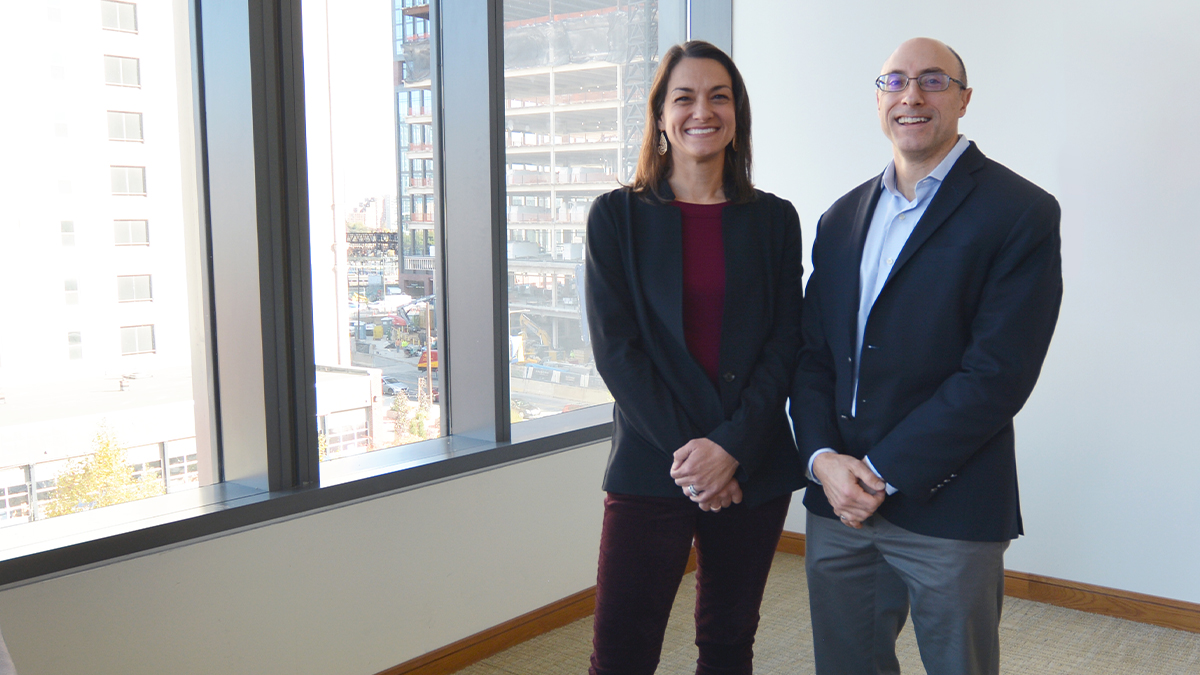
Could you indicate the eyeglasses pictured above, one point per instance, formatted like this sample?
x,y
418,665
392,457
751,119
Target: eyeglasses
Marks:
x,y
895,82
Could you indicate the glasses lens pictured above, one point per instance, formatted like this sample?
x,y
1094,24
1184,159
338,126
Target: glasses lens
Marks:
x,y
892,82
934,81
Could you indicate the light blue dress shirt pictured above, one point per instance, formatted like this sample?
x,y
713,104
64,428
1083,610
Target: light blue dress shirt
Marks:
x,y
893,222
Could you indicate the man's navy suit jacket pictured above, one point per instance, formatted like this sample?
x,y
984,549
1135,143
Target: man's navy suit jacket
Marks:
x,y
951,350
663,397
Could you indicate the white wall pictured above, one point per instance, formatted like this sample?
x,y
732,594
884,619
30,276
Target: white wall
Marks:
x,y
1097,102
352,590
1094,101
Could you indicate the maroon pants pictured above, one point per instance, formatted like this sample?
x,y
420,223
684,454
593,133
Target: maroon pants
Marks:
x,y
644,549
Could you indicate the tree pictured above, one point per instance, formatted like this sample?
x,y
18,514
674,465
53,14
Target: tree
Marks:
x,y
411,420
102,478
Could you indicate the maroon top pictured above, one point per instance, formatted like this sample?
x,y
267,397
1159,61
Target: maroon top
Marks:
x,y
703,283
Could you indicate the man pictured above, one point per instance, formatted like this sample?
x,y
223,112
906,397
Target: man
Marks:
x,y
934,294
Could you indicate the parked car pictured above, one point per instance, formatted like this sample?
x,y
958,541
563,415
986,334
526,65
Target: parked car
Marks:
x,y
524,409
393,386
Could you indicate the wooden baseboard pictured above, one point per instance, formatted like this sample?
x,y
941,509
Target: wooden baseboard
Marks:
x,y
458,655
1100,600
1070,594
1074,595
790,542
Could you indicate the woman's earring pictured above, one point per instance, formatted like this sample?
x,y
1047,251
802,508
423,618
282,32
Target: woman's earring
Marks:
x,y
662,143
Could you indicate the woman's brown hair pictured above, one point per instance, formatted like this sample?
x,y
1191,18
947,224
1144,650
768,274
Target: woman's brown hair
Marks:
x,y
653,169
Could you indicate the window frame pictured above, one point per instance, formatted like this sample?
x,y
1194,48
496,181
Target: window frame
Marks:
x,y
132,279
118,28
137,337
247,62
145,221
138,70
126,168
125,126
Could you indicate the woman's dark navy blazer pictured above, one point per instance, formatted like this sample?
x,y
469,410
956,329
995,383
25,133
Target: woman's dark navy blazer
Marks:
x,y
664,398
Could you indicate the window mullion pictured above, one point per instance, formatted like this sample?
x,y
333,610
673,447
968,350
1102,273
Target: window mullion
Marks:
x,y
467,60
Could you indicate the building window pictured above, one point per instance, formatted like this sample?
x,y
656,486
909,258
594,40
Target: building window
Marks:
x,y
137,340
67,228
183,467
71,288
122,71
134,288
146,463
75,345
124,126
14,495
345,433
131,232
128,180
118,15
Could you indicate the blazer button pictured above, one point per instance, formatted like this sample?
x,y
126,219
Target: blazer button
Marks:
x,y
845,417
729,377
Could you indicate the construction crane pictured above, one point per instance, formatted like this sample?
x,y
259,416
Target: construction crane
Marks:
x,y
533,351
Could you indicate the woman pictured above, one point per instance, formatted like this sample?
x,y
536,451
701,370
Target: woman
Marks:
x,y
693,302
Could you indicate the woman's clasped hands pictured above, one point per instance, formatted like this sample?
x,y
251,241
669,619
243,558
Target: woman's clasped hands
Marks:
x,y
704,471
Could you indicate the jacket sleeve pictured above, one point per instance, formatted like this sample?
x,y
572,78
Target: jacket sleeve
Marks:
x,y
813,408
746,434
618,346
1010,334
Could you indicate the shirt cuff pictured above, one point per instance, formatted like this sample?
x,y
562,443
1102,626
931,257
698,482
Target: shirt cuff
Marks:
x,y
810,475
890,490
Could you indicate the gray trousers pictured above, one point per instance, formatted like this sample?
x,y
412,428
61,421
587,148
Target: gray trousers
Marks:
x,y
861,584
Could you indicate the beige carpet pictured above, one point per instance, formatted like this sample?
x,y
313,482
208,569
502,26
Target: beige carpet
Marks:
x,y
1035,639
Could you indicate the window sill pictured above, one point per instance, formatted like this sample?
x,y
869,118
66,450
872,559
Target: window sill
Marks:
x,y
35,551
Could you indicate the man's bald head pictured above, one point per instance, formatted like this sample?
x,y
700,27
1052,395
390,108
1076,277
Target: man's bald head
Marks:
x,y
937,44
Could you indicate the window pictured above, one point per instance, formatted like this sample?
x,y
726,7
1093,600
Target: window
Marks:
x,y
387,235
75,346
137,340
118,15
183,465
375,298
14,495
133,288
131,232
122,71
574,114
128,180
60,448
146,463
124,126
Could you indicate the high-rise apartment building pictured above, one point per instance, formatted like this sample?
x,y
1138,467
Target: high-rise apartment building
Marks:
x,y
100,288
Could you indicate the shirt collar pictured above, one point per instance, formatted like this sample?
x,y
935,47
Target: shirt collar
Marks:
x,y
939,172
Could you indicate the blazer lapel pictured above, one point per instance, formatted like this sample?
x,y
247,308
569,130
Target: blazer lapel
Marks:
x,y
851,276
660,265
954,189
